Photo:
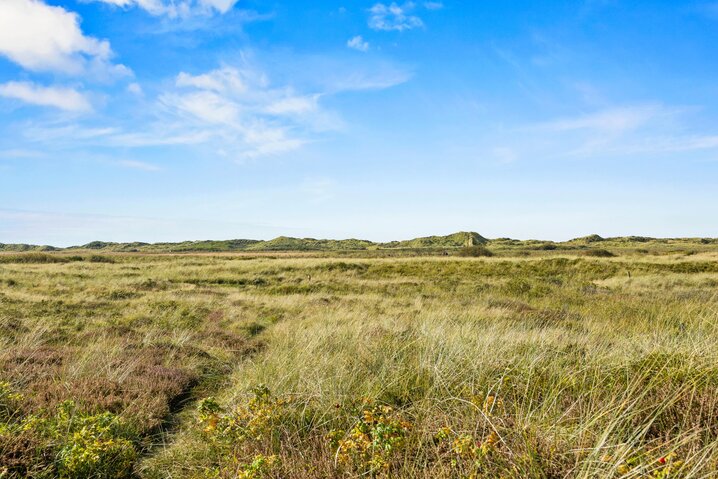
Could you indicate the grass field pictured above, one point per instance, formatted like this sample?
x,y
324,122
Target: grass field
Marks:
x,y
541,364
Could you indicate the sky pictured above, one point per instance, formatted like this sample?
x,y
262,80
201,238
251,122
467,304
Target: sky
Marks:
x,y
172,120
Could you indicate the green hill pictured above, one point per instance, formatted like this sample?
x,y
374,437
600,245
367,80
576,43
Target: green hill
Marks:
x,y
453,241
185,246
588,239
19,248
284,243
456,240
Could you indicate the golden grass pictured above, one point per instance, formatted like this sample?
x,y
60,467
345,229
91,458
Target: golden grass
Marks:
x,y
549,366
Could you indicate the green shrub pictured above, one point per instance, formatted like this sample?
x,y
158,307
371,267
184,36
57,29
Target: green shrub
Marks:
x,y
599,253
29,258
369,446
96,258
475,251
252,421
75,445
517,287
96,451
9,402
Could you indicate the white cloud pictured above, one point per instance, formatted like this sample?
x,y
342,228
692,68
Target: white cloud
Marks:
x,y
628,131
41,37
358,43
394,17
233,91
337,74
67,134
176,8
21,153
222,6
614,120
239,113
266,140
138,165
240,106
135,88
224,80
206,106
66,99
233,111
384,77
433,5
293,105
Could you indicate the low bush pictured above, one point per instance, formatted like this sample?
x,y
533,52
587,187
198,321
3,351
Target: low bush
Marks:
x,y
96,258
27,258
475,251
598,253
69,444
371,444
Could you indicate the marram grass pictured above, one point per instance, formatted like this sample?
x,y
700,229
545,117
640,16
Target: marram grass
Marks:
x,y
231,366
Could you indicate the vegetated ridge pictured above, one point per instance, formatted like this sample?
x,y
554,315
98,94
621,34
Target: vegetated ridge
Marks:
x,y
285,243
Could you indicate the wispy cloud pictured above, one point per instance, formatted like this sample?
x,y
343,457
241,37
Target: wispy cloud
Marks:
x,y
176,8
394,17
615,120
623,131
433,5
67,99
241,107
21,153
258,118
240,111
138,165
379,77
135,88
66,134
158,135
40,37
358,43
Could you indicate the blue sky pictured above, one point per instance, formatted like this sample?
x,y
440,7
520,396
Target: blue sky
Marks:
x,y
160,120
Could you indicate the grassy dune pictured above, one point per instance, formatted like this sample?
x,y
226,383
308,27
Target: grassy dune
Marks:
x,y
297,366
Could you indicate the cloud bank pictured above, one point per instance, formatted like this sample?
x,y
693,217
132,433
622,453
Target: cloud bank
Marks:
x,y
44,38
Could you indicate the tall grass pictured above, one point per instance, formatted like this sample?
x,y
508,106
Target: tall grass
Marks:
x,y
397,367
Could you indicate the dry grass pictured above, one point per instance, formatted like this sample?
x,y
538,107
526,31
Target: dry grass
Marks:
x,y
546,367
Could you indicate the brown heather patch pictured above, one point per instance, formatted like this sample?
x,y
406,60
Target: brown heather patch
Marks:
x,y
24,454
137,384
695,410
215,316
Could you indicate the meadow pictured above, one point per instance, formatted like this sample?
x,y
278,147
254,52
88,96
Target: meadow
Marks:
x,y
534,362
